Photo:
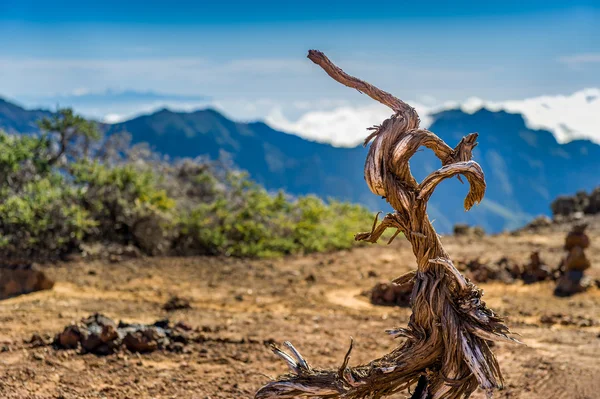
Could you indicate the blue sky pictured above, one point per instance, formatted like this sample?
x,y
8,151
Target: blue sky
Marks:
x,y
249,57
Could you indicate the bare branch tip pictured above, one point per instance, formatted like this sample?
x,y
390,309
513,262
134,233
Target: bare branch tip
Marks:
x,y
316,56
302,363
394,236
346,360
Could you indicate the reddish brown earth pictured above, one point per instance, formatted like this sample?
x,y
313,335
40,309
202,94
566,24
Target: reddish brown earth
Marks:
x,y
314,301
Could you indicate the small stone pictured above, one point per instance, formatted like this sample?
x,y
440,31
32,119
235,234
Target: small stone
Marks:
x,y
70,337
176,347
177,303
37,340
182,325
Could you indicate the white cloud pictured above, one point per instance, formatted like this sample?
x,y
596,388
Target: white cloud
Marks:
x,y
113,118
567,117
342,126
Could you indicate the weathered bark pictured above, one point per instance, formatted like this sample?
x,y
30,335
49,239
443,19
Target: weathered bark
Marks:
x,y
446,348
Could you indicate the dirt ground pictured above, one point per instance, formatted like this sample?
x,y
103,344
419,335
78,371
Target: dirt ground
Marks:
x,y
314,301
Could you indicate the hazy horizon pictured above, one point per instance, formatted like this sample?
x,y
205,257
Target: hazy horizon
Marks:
x,y
248,60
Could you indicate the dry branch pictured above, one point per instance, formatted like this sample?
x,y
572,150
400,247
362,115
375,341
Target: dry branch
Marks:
x,y
376,94
446,351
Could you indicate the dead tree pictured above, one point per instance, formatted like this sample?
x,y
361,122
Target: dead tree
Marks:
x,y
446,350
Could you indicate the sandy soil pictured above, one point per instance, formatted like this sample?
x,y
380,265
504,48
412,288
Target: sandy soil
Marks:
x,y
313,301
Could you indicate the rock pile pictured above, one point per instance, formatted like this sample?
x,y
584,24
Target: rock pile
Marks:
x,y
504,270
101,335
580,203
567,320
574,264
461,229
538,223
18,278
536,270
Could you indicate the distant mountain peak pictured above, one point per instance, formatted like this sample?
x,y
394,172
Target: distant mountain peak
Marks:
x,y
113,106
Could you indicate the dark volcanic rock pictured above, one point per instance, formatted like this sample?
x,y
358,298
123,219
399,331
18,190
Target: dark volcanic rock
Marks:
x,y
567,320
176,303
507,270
20,278
536,270
539,223
69,338
390,294
582,203
594,202
100,335
504,270
461,229
142,340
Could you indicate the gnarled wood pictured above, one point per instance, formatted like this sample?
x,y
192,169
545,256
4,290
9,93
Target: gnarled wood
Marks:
x,y
376,94
446,342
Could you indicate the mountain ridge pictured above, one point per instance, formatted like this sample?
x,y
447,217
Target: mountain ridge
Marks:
x,y
525,169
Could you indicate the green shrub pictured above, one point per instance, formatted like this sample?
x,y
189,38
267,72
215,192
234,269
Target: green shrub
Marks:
x,y
326,227
248,221
127,204
69,186
42,221
21,160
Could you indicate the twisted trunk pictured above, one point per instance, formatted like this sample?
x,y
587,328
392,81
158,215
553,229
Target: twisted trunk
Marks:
x,y
446,342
